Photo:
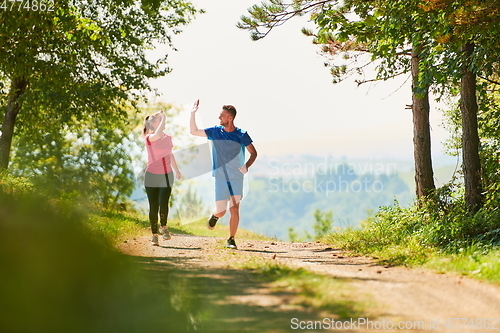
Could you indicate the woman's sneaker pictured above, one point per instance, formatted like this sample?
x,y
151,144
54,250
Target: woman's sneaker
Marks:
x,y
231,244
164,231
154,240
212,221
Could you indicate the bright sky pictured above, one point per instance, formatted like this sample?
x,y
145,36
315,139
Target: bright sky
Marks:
x,y
283,92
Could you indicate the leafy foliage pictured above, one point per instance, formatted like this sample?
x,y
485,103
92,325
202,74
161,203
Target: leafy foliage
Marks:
x,y
90,42
83,59
94,161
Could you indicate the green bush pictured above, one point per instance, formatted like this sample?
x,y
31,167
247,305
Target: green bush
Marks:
x,y
409,235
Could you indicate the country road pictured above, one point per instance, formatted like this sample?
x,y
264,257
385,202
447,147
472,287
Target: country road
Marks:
x,y
412,300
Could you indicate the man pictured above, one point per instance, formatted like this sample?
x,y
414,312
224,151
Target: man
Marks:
x,y
229,167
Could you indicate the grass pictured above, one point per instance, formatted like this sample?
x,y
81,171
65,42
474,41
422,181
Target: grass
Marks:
x,y
446,243
359,242
473,264
120,225
116,226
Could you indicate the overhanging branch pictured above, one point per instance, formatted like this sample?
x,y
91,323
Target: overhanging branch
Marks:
x,y
277,19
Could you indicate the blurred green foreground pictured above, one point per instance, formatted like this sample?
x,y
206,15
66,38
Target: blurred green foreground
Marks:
x,y
57,277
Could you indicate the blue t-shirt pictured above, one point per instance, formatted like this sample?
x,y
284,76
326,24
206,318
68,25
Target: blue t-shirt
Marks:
x,y
228,151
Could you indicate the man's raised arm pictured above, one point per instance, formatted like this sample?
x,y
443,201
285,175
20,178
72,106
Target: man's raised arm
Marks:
x,y
192,123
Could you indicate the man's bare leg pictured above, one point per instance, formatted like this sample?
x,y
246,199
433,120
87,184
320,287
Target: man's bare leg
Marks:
x,y
220,208
234,210
218,212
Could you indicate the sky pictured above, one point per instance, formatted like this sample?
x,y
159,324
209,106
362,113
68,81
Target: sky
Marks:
x,y
283,92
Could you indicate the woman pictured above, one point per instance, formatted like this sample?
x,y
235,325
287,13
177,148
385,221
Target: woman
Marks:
x,y
159,177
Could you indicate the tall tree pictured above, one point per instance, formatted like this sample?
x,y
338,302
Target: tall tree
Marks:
x,y
424,175
470,135
79,57
471,51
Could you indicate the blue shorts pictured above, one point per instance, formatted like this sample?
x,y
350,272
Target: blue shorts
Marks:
x,y
224,189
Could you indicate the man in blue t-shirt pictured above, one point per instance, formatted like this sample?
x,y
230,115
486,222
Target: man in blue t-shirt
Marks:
x,y
228,155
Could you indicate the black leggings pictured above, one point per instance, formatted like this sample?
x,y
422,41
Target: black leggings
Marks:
x,y
158,197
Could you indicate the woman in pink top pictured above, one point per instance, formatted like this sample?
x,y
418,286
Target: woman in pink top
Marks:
x,y
159,176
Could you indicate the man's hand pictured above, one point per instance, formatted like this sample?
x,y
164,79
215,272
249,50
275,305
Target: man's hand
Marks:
x,y
243,169
193,128
195,106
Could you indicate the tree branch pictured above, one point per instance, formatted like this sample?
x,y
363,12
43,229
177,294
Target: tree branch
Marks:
x,y
489,80
384,79
275,20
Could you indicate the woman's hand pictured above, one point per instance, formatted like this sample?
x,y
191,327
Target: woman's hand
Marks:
x,y
178,175
159,113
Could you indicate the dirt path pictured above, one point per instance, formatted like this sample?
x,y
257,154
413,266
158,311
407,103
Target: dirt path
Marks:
x,y
425,300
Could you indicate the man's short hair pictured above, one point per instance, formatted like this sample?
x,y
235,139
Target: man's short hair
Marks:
x,y
231,109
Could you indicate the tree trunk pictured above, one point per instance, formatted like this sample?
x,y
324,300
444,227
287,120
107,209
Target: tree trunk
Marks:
x,y
470,137
424,175
17,88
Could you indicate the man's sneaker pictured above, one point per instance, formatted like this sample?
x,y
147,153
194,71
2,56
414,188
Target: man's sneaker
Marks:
x,y
212,221
154,240
164,231
231,244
